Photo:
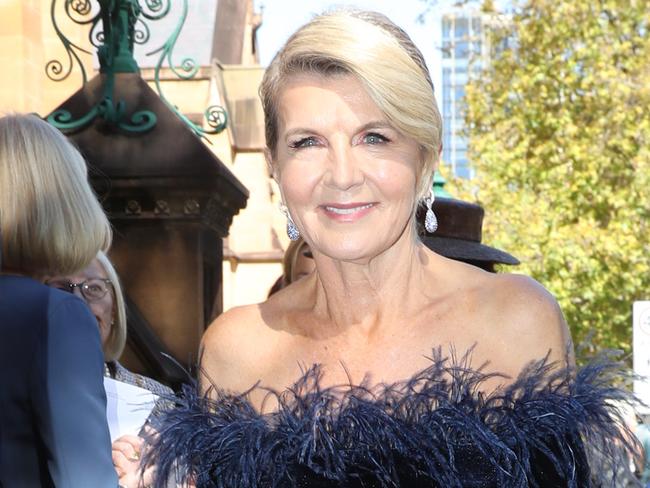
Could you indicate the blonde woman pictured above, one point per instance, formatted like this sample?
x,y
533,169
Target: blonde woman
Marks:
x,y
53,429
296,263
353,138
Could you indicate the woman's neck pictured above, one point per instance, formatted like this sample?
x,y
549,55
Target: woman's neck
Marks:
x,y
365,296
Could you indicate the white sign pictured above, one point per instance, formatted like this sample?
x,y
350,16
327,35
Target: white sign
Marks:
x,y
127,407
641,352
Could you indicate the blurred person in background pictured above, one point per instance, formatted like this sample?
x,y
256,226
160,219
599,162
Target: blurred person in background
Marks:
x,y
99,286
296,263
53,427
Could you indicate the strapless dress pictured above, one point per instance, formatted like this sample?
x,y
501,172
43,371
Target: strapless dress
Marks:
x,y
434,430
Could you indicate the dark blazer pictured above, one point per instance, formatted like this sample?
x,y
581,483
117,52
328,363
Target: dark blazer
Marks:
x,y
53,429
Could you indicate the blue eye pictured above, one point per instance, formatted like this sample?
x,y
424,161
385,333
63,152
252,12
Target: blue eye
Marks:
x,y
374,138
304,142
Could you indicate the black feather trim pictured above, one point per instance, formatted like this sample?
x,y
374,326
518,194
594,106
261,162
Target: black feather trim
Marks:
x,y
434,430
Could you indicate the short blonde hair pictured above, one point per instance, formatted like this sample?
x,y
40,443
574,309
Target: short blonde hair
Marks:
x,y
51,221
291,255
116,340
382,57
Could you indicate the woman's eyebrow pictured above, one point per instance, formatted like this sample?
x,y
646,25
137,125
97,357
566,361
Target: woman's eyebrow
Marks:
x,y
375,124
298,130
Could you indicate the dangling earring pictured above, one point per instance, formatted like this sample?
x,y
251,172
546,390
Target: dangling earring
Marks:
x,y
292,230
430,220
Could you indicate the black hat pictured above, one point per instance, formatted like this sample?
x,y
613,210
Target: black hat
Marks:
x,y
460,227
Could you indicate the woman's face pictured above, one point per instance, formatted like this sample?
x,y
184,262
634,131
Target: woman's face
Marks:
x,y
103,309
346,175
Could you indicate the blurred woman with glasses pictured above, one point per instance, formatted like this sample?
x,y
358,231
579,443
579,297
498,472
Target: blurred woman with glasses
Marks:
x,y
99,286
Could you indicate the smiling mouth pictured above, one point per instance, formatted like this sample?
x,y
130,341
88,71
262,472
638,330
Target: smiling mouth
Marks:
x,y
347,210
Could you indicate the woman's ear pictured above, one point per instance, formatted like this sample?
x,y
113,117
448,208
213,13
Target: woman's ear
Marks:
x,y
436,159
428,154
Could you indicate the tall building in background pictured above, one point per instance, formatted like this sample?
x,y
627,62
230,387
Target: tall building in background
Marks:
x,y
463,51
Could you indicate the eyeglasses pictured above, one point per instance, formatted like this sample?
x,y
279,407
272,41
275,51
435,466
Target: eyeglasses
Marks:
x,y
92,290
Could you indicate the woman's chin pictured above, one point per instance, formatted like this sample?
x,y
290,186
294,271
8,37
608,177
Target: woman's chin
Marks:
x,y
352,252
354,247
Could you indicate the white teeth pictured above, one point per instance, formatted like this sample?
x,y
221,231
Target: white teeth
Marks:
x,y
347,211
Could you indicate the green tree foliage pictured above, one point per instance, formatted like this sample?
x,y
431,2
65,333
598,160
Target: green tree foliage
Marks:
x,y
559,131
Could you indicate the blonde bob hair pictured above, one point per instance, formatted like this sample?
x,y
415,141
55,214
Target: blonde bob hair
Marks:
x,y
291,255
116,340
51,221
382,57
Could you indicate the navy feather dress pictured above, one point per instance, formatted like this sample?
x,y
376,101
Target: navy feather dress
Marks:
x,y
434,430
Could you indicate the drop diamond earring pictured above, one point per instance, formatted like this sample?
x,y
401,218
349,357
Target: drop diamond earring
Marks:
x,y
292,230
430,220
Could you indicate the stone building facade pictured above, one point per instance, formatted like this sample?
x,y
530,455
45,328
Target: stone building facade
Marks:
x,y
221,36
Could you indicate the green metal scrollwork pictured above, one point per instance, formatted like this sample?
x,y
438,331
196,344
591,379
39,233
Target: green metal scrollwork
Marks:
x,y
54,69
217,118
118,19
215,115
123,25
115,52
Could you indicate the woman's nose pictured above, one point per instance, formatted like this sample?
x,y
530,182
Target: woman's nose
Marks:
x,y
344,169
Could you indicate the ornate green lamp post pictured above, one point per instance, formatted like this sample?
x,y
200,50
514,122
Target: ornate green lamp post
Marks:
x,y
169,197
114,30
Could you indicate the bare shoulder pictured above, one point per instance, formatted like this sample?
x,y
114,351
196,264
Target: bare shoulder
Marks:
x,y
230,349
529,320
229,326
